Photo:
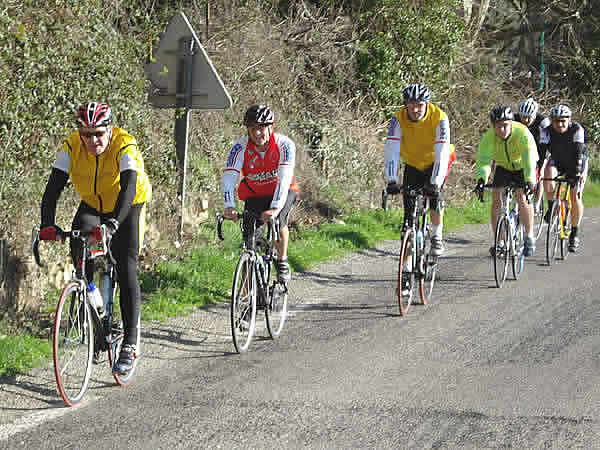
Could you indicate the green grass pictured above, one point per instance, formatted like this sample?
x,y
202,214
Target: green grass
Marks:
x,y
204,276
20,353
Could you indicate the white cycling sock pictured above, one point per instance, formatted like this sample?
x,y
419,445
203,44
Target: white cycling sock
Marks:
x,y
436,231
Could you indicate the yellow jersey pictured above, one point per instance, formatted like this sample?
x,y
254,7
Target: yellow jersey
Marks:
x,y
96,178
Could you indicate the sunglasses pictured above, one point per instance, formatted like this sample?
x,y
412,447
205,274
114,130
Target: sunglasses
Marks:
x,y
89,134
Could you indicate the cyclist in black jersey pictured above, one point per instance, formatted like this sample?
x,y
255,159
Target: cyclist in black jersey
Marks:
x,y
564,139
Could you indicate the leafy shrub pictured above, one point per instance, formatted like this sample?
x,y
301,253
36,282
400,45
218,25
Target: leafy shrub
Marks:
x,y
405,44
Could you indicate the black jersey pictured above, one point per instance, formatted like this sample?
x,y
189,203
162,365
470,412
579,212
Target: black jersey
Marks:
x,y
568,149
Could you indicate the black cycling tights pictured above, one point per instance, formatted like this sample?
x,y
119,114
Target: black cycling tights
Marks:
x,y
125,247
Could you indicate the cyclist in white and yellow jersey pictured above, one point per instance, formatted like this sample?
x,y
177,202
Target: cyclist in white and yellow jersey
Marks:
x,y
106,169
419,135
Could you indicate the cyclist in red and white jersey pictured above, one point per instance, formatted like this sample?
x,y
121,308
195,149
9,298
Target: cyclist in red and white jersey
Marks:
x,y
264,160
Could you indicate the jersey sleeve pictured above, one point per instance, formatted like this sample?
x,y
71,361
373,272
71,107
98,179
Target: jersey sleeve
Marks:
x,y
580,149
391,150
231,174
442,152
63,158
529,156
285,173
484,157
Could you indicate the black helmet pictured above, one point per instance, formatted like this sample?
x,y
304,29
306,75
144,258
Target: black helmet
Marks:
x,y
259,115
416,93
499,113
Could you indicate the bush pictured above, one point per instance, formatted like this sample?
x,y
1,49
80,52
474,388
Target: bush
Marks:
x,y
406,44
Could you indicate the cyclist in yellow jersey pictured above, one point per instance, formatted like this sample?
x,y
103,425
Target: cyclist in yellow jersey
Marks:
x,y
419,135
512,146
107,171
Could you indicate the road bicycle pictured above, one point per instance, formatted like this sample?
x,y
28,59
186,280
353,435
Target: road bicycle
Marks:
x,y
539,209
415,252
255,283
509,239
559,223
82,333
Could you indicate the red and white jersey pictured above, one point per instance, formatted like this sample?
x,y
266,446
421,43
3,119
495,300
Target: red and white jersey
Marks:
x,y
264,174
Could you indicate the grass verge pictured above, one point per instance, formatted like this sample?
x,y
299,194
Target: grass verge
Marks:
x,y
205,275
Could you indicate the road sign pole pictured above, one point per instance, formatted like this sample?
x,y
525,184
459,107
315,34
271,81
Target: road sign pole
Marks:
x,y
182,116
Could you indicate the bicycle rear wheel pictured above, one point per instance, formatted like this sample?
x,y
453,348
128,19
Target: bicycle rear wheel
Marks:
x,y
553,234
564,238
243,303
73,344
427,271
501,253
276,309
406,254
517,252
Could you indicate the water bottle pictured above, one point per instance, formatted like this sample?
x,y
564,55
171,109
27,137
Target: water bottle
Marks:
x,y
419,239
96,298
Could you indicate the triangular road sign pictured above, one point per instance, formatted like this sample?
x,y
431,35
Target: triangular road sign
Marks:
x,y
169,72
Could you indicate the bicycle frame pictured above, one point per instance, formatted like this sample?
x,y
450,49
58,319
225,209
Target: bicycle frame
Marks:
x,y
559,218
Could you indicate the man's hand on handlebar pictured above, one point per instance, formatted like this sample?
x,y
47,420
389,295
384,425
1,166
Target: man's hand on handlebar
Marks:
x,y
393,188
268,214
51,233
231,214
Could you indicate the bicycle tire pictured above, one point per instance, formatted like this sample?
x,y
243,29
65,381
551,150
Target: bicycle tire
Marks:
x,y
538,218
243,303
552,234
501,258
73,344
566,230
276,309
518,252
405,300
428,271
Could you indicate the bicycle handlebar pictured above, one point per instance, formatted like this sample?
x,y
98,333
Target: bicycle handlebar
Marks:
x,y
272,221
100,234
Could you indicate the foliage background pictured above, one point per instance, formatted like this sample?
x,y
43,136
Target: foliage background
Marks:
x,y
333,71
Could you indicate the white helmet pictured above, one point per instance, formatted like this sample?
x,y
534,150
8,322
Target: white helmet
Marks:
x,y
560,111
528,108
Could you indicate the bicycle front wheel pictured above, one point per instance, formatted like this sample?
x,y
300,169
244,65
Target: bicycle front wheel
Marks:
x,y
73,344
243,303
405,285
502,244
553,234
517,253
566,230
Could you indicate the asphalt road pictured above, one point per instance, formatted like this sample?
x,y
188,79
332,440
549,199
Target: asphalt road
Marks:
x,y
478,367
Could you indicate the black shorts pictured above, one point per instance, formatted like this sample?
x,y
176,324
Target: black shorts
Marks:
x,y
504,177
415,178
257,205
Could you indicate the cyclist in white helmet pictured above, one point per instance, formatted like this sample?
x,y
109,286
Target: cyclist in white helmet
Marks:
x,y
419,135
564,139
529,116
